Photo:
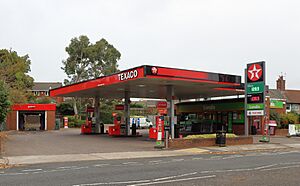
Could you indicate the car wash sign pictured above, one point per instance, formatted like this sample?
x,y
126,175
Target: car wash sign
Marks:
x,y
255,88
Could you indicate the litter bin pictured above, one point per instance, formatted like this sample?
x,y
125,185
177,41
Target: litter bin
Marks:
x,y
57,124
253,130
133,129
101,128
176,130
221,138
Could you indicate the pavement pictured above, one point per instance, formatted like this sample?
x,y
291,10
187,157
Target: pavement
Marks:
x,y
50,147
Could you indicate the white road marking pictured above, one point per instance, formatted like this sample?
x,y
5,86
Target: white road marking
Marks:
x,y
67,167
197,158
266,166
32,170
232,157
278,168
100,165
14,174
177,176
156,161
290,163
128,163
114,183
176,180
177,160
77,168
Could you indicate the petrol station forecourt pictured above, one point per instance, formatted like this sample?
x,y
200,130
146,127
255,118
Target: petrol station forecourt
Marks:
x,y
153,82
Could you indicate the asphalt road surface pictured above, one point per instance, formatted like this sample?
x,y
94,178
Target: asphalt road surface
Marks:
x,y
252,168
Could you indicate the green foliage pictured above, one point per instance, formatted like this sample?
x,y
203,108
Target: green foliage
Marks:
x,y
44,100
275,116
4,102
65,109
87,60
13,71
289,118
136,105
228,135
73,122
107,107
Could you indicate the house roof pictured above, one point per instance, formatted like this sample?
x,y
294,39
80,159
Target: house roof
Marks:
x,y
292,96
45,86
276,94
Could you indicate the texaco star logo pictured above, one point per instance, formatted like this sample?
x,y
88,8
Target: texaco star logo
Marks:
x,y
254,72
154,70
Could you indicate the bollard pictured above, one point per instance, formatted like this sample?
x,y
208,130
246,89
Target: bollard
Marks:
x,y
66,122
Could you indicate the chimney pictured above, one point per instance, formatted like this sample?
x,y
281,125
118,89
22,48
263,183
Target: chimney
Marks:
x,y
280,83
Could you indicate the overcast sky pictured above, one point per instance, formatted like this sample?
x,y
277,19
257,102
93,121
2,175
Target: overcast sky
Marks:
x,y
207,35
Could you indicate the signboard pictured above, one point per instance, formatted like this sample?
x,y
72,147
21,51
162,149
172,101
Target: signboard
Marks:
x,y
294,129
254,88
272,123
276,104
128,75
161,104
255,72
255,98
258,106
255,112
119,107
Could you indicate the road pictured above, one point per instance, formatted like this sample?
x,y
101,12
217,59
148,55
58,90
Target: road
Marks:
x,y
251,168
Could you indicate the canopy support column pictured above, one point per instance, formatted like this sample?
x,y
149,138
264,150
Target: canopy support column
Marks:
x,y
97,113
170,94
127,112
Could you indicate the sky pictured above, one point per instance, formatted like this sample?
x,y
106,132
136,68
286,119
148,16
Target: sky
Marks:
x,y
206,35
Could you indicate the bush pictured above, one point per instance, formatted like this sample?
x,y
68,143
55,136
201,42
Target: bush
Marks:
x,y
228,135
73,122
289,118
275,116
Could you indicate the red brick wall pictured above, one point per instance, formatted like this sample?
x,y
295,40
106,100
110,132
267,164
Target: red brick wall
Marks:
x,y
281,132
50,120
238,129
11,120
205,142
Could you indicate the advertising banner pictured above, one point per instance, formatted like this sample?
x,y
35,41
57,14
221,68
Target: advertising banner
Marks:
x,y
276,104
258,106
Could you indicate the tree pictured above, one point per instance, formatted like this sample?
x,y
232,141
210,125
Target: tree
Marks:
x,y
4,102
13,72
65,109
87,61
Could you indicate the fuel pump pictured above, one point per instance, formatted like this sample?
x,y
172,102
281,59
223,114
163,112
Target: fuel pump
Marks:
x,y
87,127
157,130
119,128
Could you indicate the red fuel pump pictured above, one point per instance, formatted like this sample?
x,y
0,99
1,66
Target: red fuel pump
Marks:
x,y
118,129
87,128
158,127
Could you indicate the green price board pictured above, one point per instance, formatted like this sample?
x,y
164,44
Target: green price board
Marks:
x,y
257,87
